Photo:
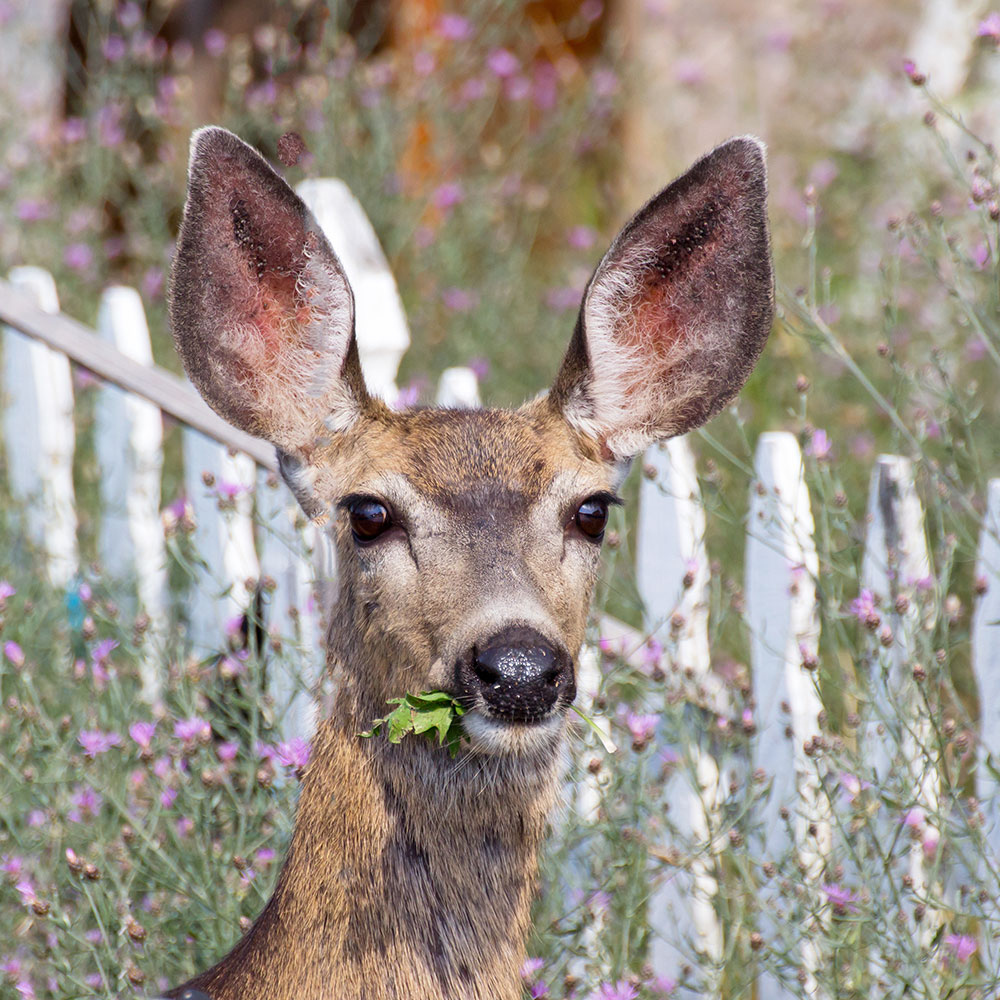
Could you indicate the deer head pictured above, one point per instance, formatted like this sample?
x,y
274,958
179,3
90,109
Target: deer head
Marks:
x,y
468,540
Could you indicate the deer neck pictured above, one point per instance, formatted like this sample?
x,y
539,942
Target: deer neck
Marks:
x,y
410,874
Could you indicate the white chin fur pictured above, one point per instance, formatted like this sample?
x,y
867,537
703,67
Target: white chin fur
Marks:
x,y
491,736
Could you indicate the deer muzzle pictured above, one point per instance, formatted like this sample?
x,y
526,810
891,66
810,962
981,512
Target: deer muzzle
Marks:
x,y
517,676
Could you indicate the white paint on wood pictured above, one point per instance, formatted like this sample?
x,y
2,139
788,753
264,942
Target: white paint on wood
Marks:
x,y
458,388
382,331
898,736
128,440
293,612
223,539
672,574
672,563
782,616
986,662
986,667
39,433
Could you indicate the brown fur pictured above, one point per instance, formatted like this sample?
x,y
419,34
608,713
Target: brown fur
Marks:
x,y
410,873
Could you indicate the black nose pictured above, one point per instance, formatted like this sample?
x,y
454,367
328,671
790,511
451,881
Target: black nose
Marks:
x,y
519,674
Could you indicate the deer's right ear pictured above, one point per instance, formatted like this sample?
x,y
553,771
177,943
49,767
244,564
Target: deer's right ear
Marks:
x,y
261,311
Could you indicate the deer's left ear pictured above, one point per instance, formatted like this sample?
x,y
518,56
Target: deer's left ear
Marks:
x,y
679,309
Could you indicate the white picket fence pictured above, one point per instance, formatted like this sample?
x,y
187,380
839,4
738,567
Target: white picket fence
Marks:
x,y
223,487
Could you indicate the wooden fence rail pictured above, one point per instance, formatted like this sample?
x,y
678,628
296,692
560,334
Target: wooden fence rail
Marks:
x,y
247,529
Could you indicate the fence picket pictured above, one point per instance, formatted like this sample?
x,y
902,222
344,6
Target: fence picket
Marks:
x,y
986,668
458,388
380,323
898,735
986,663
223,539
128,440
39,433
782,615
672,573
293,612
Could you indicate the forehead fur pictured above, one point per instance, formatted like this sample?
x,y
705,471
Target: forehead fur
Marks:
x,y
447,454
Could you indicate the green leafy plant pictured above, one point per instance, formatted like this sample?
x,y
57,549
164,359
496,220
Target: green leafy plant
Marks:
x,y
427,713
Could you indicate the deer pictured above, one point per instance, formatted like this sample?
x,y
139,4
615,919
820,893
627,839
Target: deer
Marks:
x,y
468,543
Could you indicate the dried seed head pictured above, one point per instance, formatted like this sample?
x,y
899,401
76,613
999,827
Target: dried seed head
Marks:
x,y
756,941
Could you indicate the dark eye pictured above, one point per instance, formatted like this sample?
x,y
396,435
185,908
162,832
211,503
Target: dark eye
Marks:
x,y
369,518
592,517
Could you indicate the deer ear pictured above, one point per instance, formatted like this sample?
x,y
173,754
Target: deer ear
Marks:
x,y
261,311
678,311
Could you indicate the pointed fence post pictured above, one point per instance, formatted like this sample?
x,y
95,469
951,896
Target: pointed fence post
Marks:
x,y
128,438
458,388
672,572
380,323
40,434
293,610
219,488
986,667
898,734
783,619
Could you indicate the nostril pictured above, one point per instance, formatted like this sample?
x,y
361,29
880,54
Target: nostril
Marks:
x,y
553,675
485,671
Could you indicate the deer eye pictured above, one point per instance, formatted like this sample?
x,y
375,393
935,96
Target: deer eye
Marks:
x,y
592,517
369,518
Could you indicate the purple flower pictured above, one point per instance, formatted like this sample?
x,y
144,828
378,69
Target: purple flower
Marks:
x,y
168,797
531,968
25,990
114,48
989,27
852,785
33,209
27,892
14,653
192,729
227,751
819,445
863,607
913,818
6,590
11,865
480,366
539,989
843,899
294,753
184,826
562,299
95,742
458,299
622,990
74,130
962,946
78,256
265,751
503,63
265,855
664,986
453,27
103,650
641,727
142,733
86,804
581,237
448,195
227,490
215,42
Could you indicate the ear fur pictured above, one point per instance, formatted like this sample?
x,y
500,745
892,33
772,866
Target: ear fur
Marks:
x,y
677,313
261,311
